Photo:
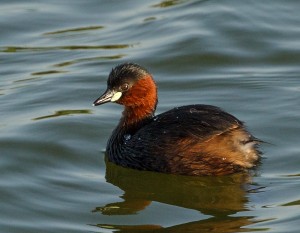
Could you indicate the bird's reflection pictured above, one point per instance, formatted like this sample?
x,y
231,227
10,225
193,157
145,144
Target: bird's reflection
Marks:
x,y
219,197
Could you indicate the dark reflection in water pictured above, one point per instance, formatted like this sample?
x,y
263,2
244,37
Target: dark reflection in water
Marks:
x,y
218,197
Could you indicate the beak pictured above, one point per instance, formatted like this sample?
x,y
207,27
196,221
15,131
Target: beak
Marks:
x,y
104,98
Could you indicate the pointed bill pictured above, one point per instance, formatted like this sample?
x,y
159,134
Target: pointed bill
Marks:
x,y
108,96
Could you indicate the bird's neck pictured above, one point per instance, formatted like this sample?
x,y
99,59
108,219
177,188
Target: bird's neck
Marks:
x,y
135,117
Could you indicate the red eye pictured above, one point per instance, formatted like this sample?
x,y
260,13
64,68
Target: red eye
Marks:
x,y
124,87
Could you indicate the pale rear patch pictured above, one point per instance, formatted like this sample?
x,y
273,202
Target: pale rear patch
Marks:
x,y
233,147
246,146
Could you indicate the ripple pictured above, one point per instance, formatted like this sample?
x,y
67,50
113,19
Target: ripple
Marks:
x,y
48,72
169,3
72,62
63,113
79,29
293,203
13,49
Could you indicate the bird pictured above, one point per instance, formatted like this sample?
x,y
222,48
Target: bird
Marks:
x,y
194,140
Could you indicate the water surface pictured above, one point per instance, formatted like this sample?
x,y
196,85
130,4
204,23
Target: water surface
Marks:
x,y
54,60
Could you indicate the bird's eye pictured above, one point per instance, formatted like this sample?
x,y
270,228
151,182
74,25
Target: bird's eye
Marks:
x,y
124,87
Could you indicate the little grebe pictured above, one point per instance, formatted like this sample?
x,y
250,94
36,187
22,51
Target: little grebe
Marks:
x,y
189,140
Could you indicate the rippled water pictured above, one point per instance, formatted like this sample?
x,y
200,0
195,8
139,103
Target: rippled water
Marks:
x,y
55,56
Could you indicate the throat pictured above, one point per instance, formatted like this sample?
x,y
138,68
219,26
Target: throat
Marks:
x,y
136,115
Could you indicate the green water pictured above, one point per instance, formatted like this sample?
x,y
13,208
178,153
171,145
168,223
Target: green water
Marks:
x,y
242,56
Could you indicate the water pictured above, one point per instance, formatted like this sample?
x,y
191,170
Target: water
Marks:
x,y
55,56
